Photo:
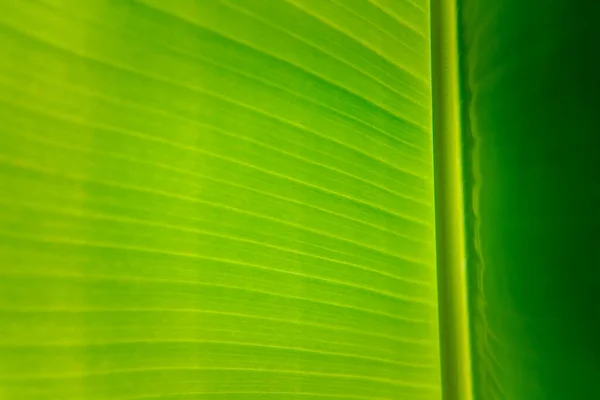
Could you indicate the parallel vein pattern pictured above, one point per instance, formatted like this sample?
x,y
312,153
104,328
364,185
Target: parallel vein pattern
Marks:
x,y
207,199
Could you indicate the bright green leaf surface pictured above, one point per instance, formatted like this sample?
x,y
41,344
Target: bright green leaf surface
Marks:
x,y
216,199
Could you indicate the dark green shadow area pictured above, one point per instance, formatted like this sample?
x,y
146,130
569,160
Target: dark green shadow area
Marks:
x,y
531,116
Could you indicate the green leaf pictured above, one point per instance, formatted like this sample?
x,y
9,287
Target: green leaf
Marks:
x,y
530,88
217,199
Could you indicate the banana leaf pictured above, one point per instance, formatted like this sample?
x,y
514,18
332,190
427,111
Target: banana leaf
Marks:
x,y
530,87
299,199
217,199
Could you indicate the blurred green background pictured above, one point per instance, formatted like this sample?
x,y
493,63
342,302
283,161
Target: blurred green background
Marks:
x,y
531,105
